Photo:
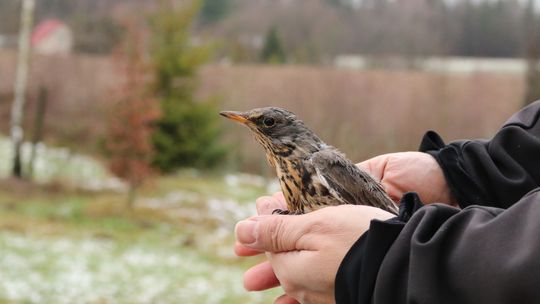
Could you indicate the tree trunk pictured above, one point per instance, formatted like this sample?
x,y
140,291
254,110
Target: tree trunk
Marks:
x,y
38,128
21,80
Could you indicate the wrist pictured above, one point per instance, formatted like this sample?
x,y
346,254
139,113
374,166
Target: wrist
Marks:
x,y
441,191
360,266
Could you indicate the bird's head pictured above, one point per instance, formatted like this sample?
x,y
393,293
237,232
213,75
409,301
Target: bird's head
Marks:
x,y
278,130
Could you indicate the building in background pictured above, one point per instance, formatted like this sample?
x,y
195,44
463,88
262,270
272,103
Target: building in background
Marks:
x,y
52,36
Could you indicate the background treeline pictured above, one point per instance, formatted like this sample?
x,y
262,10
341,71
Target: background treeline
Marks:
x,y
377,104
316,31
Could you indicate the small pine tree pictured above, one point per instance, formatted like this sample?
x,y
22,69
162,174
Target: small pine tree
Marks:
x,y
214,10
128,141
187,133
272,51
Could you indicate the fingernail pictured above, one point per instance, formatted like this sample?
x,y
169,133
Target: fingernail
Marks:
x,y
246,232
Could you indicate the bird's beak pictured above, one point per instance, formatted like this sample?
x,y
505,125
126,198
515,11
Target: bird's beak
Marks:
x,y
236,116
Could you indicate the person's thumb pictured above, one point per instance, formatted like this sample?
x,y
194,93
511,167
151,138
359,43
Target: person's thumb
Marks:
x,y
272,233
375,166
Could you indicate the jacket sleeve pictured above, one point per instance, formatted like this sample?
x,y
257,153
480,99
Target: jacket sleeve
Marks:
x,y
495,172
445,255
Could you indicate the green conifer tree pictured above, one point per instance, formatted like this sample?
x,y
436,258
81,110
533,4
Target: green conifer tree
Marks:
x,y
214,10
272,51
187,134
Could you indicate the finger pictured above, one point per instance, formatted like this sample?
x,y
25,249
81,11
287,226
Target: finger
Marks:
x,y
285,299
279,196
260,277
274,233
375,166
243,251
295,267
392,188
266,205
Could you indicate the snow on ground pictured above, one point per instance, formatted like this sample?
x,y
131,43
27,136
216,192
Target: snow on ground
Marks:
x,y
53,163
225,210
61,270
70,269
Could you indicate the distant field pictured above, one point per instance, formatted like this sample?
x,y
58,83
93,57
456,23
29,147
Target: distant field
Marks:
x,y
366,113
61,246
363,112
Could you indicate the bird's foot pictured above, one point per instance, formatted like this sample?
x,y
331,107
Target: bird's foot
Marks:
x,y
286,212
281,212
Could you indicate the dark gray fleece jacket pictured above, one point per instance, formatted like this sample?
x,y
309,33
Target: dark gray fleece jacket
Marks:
x,y
486,252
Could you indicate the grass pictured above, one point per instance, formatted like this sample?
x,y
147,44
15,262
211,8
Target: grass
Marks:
x,y
65,246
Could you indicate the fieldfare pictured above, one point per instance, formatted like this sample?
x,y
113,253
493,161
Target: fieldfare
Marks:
x,y
311,173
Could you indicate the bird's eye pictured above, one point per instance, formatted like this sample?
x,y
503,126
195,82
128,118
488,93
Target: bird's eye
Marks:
x,y
269,122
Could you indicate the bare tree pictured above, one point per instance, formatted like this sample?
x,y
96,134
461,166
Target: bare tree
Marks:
x,y
21,82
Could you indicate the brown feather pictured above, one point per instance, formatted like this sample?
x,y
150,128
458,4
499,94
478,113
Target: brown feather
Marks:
x,y
311,173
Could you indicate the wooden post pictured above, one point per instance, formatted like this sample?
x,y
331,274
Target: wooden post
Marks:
x,y
21,82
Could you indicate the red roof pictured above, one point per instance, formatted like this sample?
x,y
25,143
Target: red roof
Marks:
x,y
44,29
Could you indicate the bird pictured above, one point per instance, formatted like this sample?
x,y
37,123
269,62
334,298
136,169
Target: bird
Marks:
x,y
311,173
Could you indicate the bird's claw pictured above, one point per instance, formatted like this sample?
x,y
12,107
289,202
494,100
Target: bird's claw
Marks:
x,y
281,212
286,212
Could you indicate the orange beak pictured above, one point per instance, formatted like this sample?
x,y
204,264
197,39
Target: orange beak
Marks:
x,y
236,116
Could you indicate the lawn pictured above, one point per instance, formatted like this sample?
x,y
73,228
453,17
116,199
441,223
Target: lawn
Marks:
x,y
63,245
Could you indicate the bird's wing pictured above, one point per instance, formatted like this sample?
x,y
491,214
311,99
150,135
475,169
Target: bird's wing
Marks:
x,y
352,184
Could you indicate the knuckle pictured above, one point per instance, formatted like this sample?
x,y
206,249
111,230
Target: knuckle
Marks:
x,y
277,233
262,203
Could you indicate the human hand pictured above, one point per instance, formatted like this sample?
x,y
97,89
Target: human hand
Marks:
x,y
304,251
410,171
262,276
